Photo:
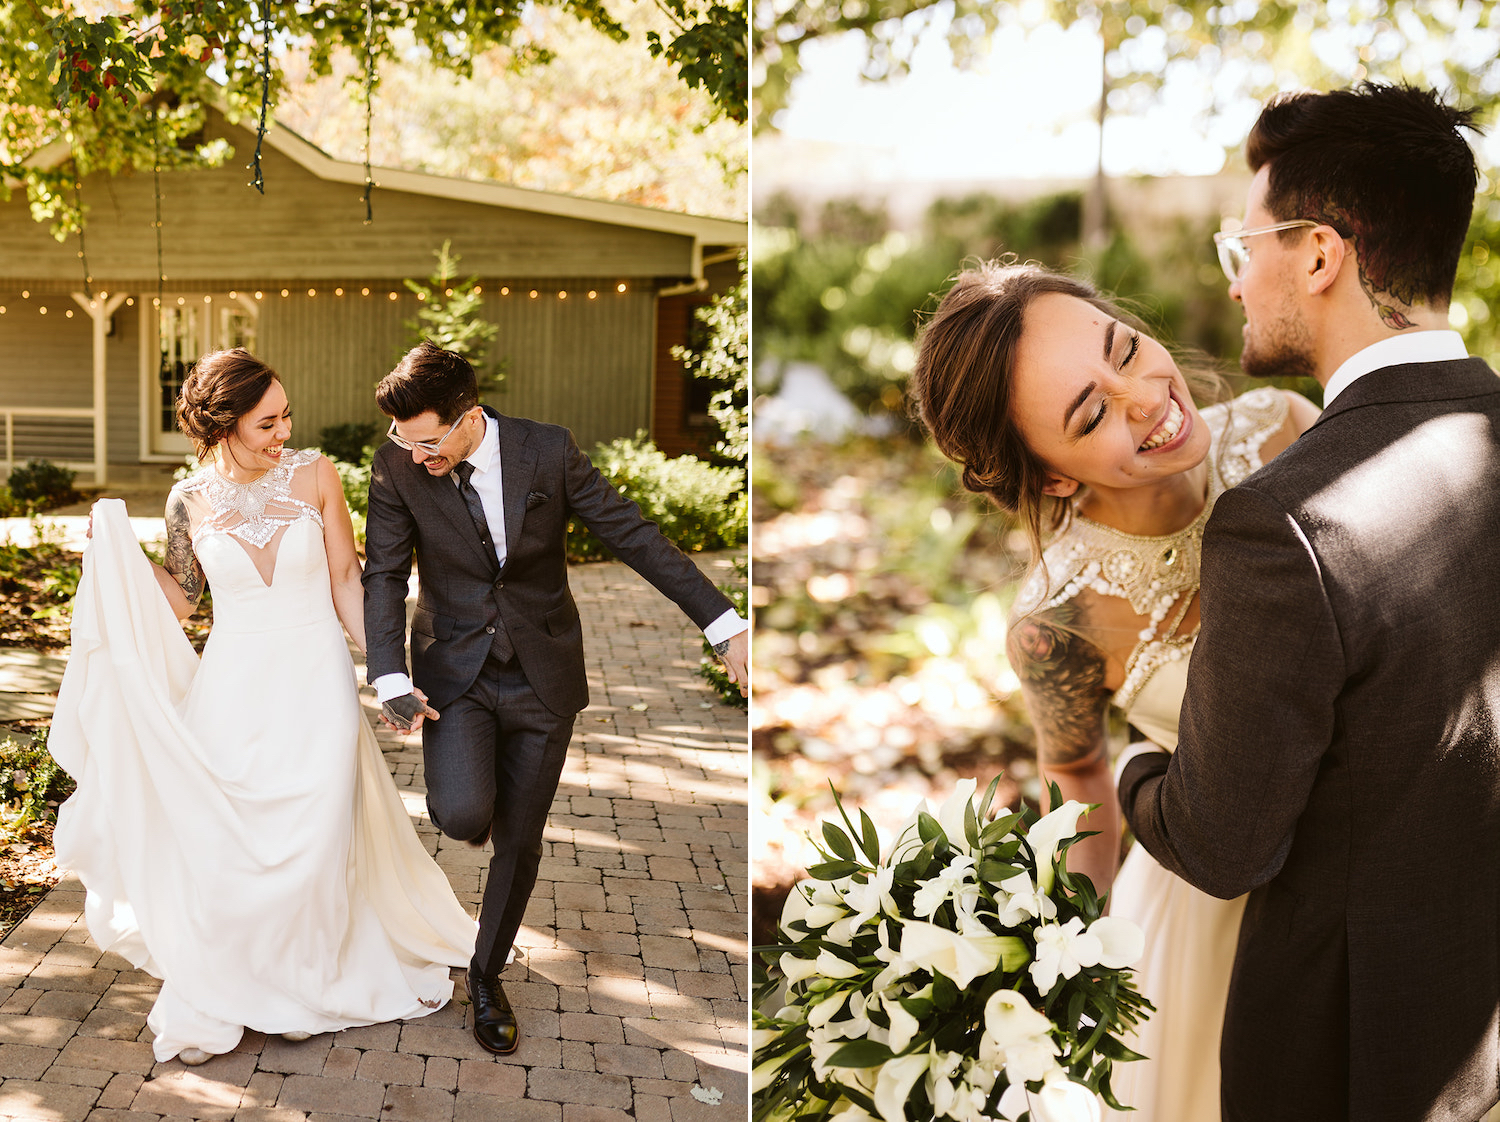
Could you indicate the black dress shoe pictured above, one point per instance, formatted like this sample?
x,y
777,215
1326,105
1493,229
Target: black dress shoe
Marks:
x,y
494,1023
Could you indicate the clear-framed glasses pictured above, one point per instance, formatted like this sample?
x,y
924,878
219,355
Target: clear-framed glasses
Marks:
x,y
1233,254
429,446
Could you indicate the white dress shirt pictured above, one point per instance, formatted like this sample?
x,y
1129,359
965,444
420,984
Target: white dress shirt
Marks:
x,y
1419,346
486,481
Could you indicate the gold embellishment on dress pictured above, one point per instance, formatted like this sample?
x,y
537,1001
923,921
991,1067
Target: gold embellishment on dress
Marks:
x,y
1156,575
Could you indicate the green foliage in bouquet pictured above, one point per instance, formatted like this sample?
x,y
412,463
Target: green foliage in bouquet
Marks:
x,y
967,975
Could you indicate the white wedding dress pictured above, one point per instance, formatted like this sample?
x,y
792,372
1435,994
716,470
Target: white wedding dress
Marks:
x,y
1190,936
235,825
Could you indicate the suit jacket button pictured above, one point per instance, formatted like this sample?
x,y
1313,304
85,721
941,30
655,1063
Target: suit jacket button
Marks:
x,y
499,584
489,630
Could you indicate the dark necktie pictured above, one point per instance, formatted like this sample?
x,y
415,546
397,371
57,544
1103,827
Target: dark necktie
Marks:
x,y
476,508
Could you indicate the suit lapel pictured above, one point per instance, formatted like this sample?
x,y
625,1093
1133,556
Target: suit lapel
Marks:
x,y
518,462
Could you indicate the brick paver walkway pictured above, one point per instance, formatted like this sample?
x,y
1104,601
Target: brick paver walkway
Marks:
x,y
631,990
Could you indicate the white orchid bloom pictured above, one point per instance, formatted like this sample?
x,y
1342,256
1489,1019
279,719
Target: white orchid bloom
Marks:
x,y
857,1026
762,1037
950,815
1063,950
765,1073
957,881
822,1044
959,958
1024,901
1121,941
866,900
1014,1102
944,1088
894,1083
1048,834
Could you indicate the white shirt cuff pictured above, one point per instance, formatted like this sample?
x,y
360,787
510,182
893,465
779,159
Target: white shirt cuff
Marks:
x,y
388,686
1139,748
727,626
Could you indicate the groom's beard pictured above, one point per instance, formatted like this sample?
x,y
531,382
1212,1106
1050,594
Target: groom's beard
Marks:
x,y
1282,348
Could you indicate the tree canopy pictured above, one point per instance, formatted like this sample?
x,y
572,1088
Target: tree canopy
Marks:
x,y
123,84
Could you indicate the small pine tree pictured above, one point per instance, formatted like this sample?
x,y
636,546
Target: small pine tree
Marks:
x,y
449,316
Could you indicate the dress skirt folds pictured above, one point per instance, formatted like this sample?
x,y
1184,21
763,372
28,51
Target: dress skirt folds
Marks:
x,y
234,824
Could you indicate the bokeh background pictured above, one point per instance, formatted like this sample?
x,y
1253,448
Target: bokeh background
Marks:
x,y
897,140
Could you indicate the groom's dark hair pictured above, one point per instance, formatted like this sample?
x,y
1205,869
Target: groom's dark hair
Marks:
x,y
428,378
1384,166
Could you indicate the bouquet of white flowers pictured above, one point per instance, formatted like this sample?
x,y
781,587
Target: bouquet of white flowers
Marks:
x,y
967,975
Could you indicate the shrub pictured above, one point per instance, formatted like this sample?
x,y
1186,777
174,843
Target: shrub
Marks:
x,y
31,784
348,442
697,506
41,485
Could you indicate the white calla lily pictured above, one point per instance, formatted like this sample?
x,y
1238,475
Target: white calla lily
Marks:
x,y
1122,943
1062,1100
893,1085
797,968
1009,1019
959,958
904,1027
821,915
821,1013
831,965
1049,833
950,815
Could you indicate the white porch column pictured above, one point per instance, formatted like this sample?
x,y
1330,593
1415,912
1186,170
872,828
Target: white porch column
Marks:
x,y
100,308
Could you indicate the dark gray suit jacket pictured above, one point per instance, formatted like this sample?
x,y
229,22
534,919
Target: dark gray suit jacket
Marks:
x,y
1340,757
546,481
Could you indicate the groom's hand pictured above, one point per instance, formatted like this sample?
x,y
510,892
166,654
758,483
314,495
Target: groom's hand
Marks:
x,y
734,653
406,713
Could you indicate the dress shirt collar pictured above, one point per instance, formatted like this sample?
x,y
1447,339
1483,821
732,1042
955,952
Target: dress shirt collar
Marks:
x,y
483,456
1421,346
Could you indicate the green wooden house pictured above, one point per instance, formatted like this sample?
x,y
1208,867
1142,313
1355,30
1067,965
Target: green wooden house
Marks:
x,y
590,298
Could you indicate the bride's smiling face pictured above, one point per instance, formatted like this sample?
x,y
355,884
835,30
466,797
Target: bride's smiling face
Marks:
x,y
260,435
1101,404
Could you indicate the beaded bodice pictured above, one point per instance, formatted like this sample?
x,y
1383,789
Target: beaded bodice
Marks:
x,y
253,512
1156,575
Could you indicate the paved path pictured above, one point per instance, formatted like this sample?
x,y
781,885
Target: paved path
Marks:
x,y
632,989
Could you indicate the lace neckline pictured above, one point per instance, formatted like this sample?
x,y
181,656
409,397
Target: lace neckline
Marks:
x,y
255,511
1158,576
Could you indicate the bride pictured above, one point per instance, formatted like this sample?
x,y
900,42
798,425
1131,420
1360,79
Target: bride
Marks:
x,y
234,824
1060,408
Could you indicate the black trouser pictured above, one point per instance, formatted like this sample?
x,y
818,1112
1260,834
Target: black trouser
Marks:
x,y
493,759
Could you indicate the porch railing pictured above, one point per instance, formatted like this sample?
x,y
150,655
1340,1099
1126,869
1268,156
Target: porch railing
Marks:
x,y
63,436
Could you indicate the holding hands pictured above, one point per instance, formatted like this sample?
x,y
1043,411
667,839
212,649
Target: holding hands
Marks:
x,y
407,712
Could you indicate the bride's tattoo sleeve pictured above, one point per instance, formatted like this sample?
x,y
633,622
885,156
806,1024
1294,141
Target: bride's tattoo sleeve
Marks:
x,y
181,561
1062,678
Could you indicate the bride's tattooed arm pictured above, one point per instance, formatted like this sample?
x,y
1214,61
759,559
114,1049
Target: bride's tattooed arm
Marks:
x,y
181,562
1062,678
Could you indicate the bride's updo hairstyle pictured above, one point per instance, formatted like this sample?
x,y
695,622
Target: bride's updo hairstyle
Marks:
x,y
221,388
960,388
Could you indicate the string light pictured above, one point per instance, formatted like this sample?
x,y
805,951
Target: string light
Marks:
x,y
69,313
156,301
208,299
364,292
43,309
284,292
25,294
259,295
533,294
2,309
393,296
265,92
83,259
180,301
447,292
620,287
593,295
312,291
562,295
233,295
369,101
338,291
477,290
130,301
504,291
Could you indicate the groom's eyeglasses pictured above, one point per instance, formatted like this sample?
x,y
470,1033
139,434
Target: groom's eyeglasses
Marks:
x,y
1233,253
429,446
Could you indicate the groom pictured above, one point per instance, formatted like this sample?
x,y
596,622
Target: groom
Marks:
x,y
1340,738
497,675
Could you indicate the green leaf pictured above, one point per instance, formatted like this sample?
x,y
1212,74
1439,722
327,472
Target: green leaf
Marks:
x,y
994,872
1112,1048
928,828
971,825
870,839
838,841
833,870
989,797
861,1053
